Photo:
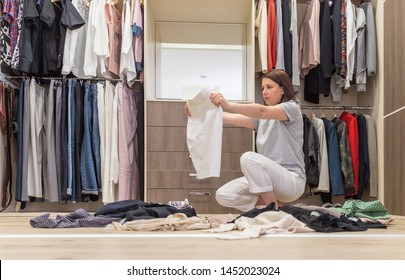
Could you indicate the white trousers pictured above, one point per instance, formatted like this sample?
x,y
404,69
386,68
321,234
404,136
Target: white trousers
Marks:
x,y
261,175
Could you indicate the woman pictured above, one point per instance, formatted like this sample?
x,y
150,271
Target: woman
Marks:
x,y
276,173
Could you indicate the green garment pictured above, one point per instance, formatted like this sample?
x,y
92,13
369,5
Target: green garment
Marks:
x,y
363,209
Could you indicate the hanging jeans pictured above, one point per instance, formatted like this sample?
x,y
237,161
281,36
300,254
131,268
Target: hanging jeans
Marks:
x,y
87,157
58,131
79,131
95,135
63,144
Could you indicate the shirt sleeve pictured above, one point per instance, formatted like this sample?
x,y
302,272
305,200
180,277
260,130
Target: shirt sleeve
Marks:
x,y
292,110
71,17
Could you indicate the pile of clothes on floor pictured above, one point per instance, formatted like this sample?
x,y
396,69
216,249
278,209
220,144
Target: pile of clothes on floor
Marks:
x,y
137,215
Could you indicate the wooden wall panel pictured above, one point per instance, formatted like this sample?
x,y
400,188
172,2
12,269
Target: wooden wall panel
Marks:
x,y
394,58
394,163
394,98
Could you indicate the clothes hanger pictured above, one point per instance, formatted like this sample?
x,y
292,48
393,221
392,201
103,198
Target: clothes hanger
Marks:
x,y
322,114
313,116
57,4
117,4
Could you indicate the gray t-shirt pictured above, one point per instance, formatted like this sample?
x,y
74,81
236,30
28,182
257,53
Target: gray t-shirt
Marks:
x,y
282,141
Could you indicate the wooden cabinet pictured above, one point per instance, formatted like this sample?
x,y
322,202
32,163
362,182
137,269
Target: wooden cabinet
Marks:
x,y
393,97
170,173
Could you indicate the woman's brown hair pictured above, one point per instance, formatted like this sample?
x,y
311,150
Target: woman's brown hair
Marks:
x,y
281,78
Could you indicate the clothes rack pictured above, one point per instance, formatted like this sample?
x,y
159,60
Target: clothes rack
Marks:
x,y
61,78
367,108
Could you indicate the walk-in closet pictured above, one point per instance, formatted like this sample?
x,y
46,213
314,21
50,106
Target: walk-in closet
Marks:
x,y
94,127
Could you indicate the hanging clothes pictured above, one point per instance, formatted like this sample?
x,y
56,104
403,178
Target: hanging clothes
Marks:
x,y
113,18
271,35
371,40
311,153
96,49
279,37
345,155
364,163
309,38
372,154
261,35
78,138
137,30
90,154
335,173
37,134
353,137
295,47
75,43
127,62
105,124
323,166
50,174
287,37
361,66
8,34
127,124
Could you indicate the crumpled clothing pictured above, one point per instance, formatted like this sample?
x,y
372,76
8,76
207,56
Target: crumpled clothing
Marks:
x,y
78,218
175,222
373,210
221,219
269,222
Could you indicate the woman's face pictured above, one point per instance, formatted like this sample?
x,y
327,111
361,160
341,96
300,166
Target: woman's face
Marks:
x,y
271,91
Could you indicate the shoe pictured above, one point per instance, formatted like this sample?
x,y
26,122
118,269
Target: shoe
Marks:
x,y
327,205
180,204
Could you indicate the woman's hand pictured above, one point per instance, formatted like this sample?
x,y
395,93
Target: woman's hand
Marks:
x,y
219,100
186,110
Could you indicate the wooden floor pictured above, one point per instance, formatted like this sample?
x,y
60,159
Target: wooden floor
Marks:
x,y
18,240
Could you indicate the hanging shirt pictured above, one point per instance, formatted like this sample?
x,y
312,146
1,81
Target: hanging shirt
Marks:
x,y
204,134
127,63
351,36
335,171
279,37
271,35
113,17
295,48
138,33
309,38
353,136
261,34
361,67
75,44
371,41
323,185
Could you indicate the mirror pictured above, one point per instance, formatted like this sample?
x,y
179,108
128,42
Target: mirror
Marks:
x,y
190,56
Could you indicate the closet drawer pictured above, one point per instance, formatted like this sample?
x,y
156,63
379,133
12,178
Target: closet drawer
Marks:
x,y
166,113
203,202
234,139
182,161
187,180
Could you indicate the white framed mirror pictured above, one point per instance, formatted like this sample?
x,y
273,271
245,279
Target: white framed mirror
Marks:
x,y
190,56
